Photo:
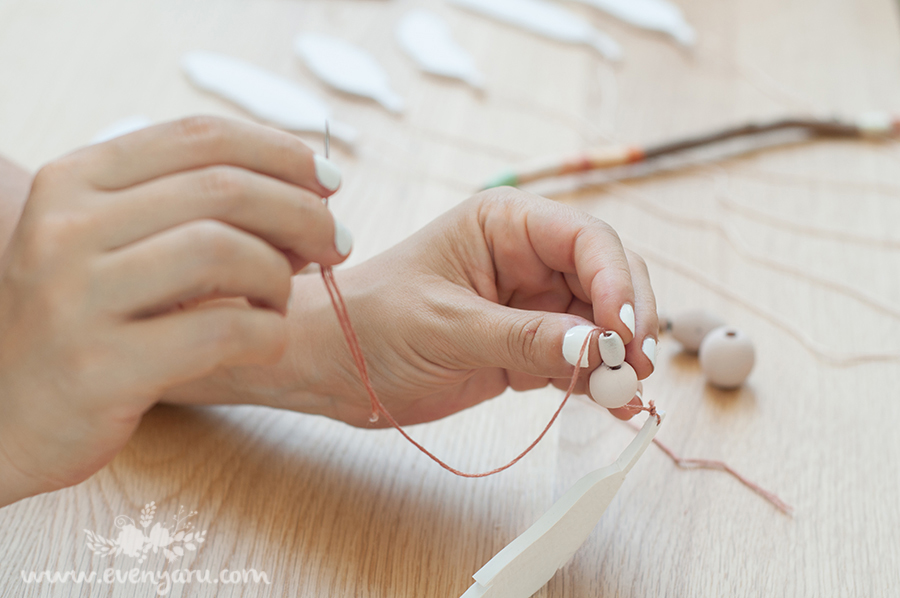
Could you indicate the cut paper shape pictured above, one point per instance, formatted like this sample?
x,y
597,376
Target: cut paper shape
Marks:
x,y
266,96
123,126
347,68
427,39
544,18
529,561
655,15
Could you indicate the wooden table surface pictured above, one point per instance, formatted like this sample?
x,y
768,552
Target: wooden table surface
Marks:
x,y
798,246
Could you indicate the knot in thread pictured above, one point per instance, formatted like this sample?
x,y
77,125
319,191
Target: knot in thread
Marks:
x,y
650,408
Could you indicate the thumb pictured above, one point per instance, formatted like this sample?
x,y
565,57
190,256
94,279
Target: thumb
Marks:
x,y
529,341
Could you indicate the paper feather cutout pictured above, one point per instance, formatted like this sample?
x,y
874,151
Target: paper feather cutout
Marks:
x,y
266,96
547,19
655,15
427,39
529,561
347,68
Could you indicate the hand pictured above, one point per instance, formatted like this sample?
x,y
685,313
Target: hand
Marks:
x,y
116,242
15,182
476,302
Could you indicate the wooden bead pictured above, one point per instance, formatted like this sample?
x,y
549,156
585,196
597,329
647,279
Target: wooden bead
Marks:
x,y
726,357
689,327
613,387
612,349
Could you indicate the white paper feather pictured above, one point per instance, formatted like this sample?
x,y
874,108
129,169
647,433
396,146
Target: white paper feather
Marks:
x,y
547,19
347,68
427,39
528,562
655,15
266,96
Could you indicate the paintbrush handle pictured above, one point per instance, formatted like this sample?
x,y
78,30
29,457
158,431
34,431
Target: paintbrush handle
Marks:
x,y
604,157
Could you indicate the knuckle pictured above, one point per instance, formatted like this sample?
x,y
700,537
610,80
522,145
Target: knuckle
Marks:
x,y
45,176
227,334
504,194
287,145
205,231
638,261
57,173
501,203
200,130
54,235
224,185
57,169
509,198
215,241
522,341
606,227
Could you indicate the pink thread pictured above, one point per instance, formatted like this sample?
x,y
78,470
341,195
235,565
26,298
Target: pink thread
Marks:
x,y
343,316
717,466
722,466
340,308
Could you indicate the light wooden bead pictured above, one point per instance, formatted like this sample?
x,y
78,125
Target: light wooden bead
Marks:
x,y
690,327
613,387
665,322
612,349
726,357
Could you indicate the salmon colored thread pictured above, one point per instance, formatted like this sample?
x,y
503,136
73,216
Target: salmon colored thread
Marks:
x,y
716,465
722,466
343,316
340,308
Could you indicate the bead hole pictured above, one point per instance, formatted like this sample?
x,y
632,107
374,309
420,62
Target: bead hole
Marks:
x,y
731,333
618,367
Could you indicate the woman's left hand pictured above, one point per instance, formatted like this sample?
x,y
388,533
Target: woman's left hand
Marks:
x,y
476,302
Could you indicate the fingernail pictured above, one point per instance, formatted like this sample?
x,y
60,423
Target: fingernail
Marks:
x,y
343,240
572,343
612,349
626,314
327,173
649,349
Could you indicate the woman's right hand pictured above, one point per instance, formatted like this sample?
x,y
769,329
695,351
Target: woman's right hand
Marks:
x,y
104,285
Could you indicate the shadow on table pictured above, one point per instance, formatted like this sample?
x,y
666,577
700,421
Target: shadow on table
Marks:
x,y
324,509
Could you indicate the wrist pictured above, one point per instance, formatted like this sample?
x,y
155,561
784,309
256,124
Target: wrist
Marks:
x,y
317,372
302,379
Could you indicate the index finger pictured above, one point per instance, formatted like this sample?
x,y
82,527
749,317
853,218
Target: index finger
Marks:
x,y
202,141
572,242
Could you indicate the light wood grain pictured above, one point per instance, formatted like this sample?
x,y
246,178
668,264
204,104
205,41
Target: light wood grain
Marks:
x,y
327,510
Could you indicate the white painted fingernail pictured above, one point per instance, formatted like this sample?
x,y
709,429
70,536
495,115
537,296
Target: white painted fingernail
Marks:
x,y
327,173
572,343
343,240
612,349
626,314
649,349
